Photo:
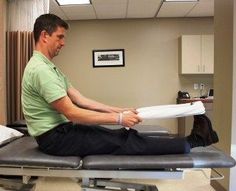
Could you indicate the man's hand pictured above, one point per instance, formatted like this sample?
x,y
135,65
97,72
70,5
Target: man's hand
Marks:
x,y
130,118
133,110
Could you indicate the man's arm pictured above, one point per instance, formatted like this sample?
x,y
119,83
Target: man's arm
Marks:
x,y
83,102
78,115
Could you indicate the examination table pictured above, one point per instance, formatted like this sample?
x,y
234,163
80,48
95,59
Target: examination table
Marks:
x,y
22,158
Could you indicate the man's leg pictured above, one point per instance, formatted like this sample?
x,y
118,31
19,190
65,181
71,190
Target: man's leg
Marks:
x,y
137,144
202,133
81,140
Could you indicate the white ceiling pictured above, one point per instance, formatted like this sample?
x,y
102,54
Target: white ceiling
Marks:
x,y
128,9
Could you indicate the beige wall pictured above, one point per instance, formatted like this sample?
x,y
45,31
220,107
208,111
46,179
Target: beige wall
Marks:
x,y
233,132
2,62
150,76
223,78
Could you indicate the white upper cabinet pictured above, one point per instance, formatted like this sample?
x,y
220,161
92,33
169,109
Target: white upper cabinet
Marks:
x,y
208,54
197,54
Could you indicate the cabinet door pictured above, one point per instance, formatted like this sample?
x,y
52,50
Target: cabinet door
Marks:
x,y
191,54
207,54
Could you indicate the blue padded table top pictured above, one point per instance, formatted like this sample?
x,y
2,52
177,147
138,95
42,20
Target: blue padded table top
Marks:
x,y
201,157
25,152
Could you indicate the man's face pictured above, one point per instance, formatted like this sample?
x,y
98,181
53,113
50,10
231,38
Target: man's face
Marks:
x,y
56,41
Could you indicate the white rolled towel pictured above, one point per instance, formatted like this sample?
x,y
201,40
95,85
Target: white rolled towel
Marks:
x,y
171,111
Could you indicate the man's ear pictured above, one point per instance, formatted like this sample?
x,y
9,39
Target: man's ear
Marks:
x,y
44,35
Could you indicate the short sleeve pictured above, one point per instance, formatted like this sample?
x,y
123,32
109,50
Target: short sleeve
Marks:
x,y
50,85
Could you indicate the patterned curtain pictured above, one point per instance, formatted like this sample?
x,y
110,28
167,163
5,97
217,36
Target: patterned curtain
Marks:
x,y
20,47
22,13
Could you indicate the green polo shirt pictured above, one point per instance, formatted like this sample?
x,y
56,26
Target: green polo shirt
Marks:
x,y
42,84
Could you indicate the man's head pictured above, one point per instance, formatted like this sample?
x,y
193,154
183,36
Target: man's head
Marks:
x,y
49,34
48,23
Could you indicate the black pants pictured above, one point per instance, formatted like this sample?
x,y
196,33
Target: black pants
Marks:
x,y
80,140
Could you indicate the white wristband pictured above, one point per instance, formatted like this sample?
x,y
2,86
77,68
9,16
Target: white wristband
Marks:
x,y
120,118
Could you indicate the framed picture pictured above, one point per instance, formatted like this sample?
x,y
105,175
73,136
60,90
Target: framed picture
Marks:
x,y
109,58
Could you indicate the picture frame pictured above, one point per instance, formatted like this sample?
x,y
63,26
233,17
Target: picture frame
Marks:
x,y
109,58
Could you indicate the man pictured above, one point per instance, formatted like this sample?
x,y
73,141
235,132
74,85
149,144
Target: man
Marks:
x,y
64,122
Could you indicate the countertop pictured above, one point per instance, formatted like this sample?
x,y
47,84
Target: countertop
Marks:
x,y
204,100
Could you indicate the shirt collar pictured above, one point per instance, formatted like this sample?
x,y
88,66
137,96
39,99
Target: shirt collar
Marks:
x,y
44,58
